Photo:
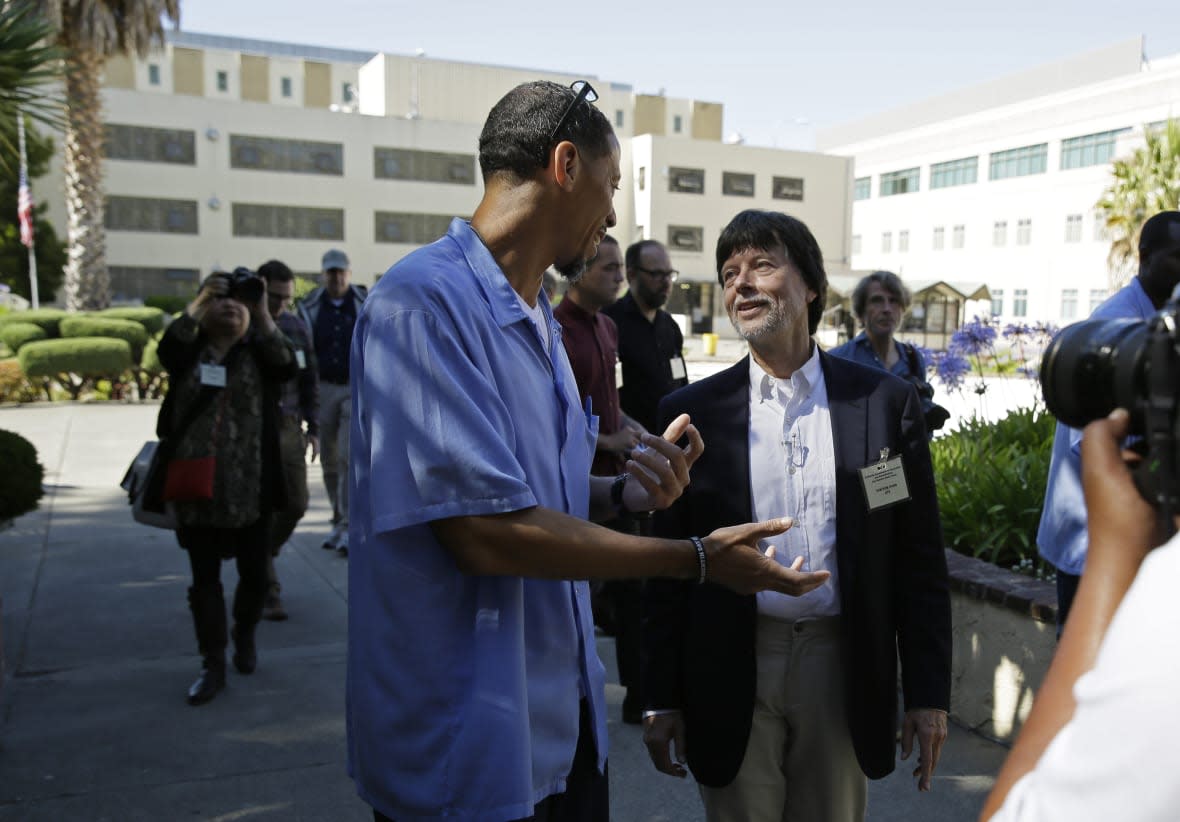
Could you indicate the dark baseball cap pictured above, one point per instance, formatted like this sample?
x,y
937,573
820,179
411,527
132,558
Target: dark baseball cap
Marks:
x,y
335,258
1160,233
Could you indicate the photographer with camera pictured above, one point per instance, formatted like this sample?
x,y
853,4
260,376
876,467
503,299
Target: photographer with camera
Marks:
x,y
1061,536
1099,743
879,302
226,361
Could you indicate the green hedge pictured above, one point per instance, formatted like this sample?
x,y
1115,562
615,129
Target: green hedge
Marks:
x,y
20,481
991,484
84,356
90,325
152,319
15,335
167,303
47,318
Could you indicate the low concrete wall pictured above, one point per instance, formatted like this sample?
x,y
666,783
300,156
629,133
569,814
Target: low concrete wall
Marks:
x,y
1004,638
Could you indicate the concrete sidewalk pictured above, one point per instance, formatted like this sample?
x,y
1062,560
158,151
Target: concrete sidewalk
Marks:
x,y
100,651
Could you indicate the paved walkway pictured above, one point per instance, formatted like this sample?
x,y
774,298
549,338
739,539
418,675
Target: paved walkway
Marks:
x,y
100,651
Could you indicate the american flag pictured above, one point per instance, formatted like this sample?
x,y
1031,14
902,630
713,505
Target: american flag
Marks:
x,y
24,209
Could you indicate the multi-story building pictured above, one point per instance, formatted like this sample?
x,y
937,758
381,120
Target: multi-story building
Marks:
x,y
998,183
223,152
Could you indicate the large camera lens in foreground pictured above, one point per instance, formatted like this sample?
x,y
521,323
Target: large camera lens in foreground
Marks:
x,y
1094,367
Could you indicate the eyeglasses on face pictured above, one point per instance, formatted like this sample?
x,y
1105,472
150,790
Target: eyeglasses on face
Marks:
x,y
584,91
671,274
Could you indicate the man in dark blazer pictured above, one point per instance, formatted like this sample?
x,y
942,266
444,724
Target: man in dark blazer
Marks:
x,y
782,706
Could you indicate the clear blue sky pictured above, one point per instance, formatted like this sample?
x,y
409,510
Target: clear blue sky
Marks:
x,y
782,68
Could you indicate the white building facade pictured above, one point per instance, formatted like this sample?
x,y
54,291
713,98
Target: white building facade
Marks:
x,y
997,184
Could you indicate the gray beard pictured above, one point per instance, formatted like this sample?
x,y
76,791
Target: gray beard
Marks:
x,y
772,322
572,271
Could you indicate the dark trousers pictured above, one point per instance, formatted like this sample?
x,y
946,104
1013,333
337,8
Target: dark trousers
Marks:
x,y
249,546
1067,589
586,798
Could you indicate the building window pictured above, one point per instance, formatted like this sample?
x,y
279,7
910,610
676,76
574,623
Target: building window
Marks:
x,y
151,214
939,238
274,154
1097,298
677,123
424,166
642,178
129,282
958,236
412,229
903,240
618,118
150,145
997,302
1091,150
1069,303
855,243
287,222
223,81
686,238
736,184
153,74
1023,232
347,93
886,242
285,85
686,180
862,188
1073,228
954,173
1020,302
1018,162
787,188
899,182
1000,233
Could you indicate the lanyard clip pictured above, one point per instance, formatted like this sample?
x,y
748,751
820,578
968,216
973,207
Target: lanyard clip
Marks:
x,y
884,454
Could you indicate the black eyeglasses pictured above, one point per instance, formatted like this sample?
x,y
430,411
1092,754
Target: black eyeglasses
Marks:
x,y
586,92
671,274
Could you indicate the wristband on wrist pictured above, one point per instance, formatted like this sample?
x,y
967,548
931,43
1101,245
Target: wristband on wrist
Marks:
x,y
701,561
616,493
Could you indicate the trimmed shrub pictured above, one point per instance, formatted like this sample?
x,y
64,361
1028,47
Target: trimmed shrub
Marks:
x,y
17,334
74,362
167,303
20,481
152,319
991,480
47,318
91,325
14,387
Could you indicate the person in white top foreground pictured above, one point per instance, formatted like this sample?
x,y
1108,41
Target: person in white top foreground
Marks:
x,y
1100,741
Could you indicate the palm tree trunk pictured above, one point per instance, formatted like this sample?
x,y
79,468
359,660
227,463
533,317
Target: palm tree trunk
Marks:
x,y
87,283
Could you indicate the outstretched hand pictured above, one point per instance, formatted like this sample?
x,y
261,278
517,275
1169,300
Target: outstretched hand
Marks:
x,y
659,468
735,559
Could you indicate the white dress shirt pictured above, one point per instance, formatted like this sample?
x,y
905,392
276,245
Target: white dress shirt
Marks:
x,y
793,473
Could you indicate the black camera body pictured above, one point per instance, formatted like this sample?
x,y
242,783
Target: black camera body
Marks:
x,y
1092,367
245,286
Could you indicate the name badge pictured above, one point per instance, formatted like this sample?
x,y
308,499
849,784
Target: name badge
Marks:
x,y
678,371
213,375
618,374
884,482
300,358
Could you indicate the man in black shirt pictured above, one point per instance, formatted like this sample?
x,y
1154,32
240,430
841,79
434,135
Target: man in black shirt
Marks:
x,y
650,342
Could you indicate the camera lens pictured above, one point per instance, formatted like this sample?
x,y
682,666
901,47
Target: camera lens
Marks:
x,y
1093,367
246,286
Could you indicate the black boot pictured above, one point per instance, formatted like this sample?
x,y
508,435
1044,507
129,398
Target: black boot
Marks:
x,y
248,604
208,609
245,652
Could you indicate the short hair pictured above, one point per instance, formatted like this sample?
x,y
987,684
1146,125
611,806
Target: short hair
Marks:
x,y
517,137
887,280
1158,234
606,240
275,271
764,230
635,250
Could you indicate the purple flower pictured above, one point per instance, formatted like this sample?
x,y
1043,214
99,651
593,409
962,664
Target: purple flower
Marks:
x,y
1018,332
951,369
973,338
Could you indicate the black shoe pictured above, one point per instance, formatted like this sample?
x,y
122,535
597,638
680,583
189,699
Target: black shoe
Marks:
x,y
245,652
211,680
274,610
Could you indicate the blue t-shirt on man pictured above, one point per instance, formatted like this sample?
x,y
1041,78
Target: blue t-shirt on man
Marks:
x,y
463,691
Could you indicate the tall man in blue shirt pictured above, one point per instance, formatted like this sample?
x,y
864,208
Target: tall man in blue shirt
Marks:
x,y
1061,537
330,312
474,691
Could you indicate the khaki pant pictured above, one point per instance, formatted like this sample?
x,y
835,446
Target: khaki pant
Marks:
x,y
335,416
799,764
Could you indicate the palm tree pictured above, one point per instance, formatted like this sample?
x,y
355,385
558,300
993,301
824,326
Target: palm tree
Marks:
x,y
90,31
1146,182
30,69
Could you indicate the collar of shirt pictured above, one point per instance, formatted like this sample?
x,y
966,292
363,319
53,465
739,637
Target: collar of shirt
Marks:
x,y
790,392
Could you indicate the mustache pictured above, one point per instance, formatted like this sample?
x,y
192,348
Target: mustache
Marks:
x,y
750,303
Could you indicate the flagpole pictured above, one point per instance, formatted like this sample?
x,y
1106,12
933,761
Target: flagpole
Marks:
x,y
24,171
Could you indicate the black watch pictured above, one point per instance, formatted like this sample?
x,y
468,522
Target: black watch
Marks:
x,y
616,499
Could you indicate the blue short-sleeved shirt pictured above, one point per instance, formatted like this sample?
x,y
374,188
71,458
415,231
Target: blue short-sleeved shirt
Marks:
x,y
463,691
1061,536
